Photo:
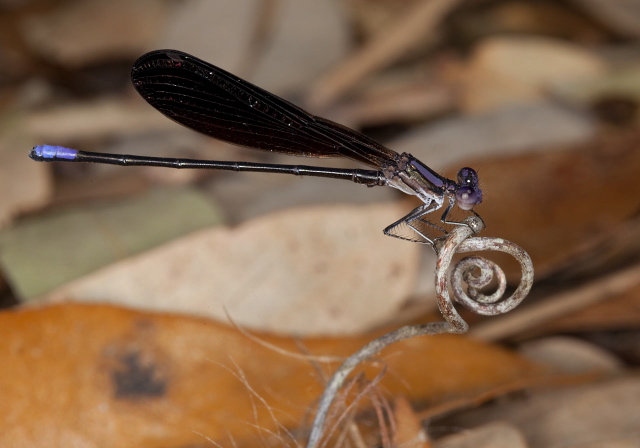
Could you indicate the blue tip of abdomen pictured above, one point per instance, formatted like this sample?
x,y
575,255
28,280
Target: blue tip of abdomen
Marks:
x,y
47,152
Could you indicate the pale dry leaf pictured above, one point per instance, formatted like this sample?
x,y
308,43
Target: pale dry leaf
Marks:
x,y
492,435
304,38
570,355
569,417
398,100
504,71
94,120
308,38
505,132
213,31
622,83
320,270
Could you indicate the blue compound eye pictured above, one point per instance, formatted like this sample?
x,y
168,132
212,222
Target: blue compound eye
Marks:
x,y
468,177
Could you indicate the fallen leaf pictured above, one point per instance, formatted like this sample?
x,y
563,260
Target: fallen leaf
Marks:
x,y
307,38
568,417
615,313
302,39
507,132
44,252
94,119
620,84
227,27
492,435
570,355
100,376
309,271
526,322
505,71
554,204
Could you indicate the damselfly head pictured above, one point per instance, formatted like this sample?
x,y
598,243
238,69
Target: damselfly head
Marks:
x,y
468,193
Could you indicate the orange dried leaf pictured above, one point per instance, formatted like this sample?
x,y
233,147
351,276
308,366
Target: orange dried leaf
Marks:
x,y
82,375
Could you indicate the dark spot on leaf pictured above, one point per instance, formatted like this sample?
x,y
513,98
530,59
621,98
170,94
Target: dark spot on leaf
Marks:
x,y
134,378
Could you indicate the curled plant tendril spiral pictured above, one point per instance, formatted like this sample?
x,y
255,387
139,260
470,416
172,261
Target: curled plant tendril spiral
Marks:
x,y
477,272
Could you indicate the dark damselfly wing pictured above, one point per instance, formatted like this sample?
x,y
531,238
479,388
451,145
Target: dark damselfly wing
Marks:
x,y
214,102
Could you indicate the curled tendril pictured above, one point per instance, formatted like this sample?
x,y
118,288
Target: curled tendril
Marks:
x,y
476,273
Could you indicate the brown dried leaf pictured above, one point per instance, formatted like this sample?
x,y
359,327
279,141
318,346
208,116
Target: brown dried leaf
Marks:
x,y
99,376
528,320
555,204
613,312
